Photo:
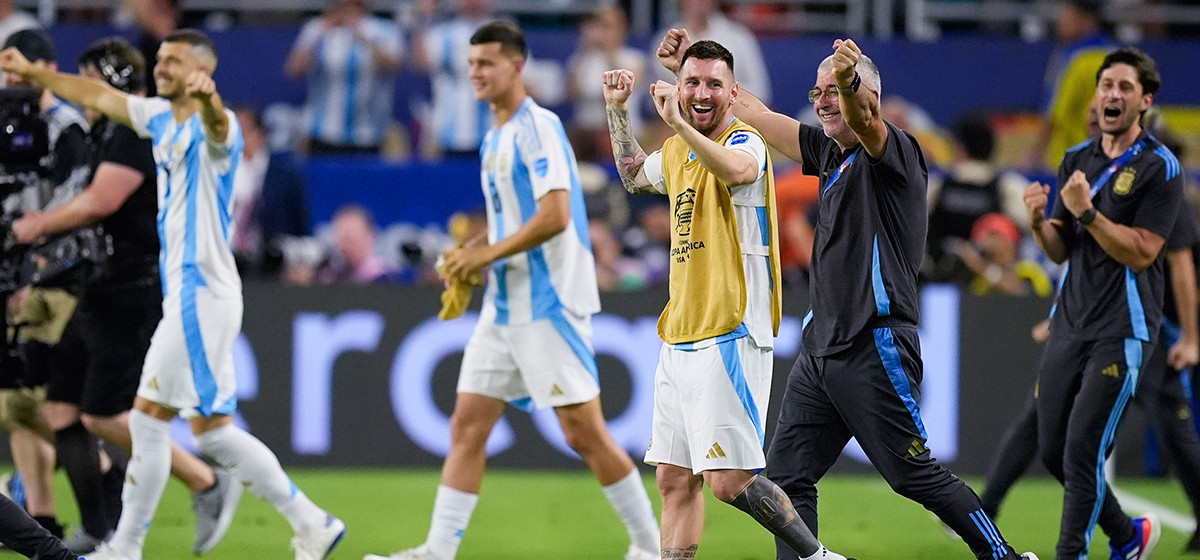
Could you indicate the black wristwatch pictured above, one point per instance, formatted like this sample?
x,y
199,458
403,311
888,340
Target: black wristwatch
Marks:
x,y
1087,216
853,87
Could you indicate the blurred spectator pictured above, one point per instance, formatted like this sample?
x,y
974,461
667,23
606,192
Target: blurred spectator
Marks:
x,y
650,240
992,256
615,272
1070,82
601,48
157,19
354,260
457,121
703,20
795,195
270,200
351,59
911,117
13,20
971,188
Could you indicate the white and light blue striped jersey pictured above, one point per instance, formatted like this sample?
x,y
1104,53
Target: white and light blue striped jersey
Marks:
x,y
523,160
195,199
459,121
349,96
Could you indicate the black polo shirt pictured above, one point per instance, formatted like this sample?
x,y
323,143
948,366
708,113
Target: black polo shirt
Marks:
x,y
869,240
1102,298
133,227
1185,234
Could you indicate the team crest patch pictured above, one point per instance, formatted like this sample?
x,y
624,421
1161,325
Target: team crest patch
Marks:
x,y
684,204
1124,182
691,156
739,138
541,166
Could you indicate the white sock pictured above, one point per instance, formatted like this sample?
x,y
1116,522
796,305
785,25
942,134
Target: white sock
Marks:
x,y
628,497
250,461
145,478
823,553
451,514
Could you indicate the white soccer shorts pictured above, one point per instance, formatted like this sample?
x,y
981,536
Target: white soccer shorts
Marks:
x,y
710,405
546,363
189,365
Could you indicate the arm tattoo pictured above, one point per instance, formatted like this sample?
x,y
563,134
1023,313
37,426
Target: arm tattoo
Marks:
x,y
626,151
688,553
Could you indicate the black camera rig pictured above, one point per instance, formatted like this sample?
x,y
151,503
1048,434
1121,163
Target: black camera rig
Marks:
x,y
24,151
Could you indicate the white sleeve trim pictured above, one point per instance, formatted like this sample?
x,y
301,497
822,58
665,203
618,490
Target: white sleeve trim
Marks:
x,y
653,168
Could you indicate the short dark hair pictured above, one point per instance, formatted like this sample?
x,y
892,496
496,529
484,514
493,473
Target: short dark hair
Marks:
x,y
707,50
193,37
1147,70
974,133
510,37
34,45
119,63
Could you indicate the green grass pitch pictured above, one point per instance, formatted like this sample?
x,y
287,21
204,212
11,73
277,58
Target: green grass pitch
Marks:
x,y
545,515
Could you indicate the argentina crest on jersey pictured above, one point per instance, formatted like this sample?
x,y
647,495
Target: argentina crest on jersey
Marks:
x,y
1124,183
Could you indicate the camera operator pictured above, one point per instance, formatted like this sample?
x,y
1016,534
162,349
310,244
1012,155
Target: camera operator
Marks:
x,y
119,311
21,408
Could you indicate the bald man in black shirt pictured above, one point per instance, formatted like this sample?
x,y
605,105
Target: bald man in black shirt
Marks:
x,y
860,365
1118,200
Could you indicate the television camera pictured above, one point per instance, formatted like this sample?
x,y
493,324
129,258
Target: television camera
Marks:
x,y
68,260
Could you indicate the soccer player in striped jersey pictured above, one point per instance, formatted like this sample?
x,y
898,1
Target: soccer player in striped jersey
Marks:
x,y
532,345
189,367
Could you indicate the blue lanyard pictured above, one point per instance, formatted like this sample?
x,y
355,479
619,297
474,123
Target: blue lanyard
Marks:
x,y
833,177
1116,164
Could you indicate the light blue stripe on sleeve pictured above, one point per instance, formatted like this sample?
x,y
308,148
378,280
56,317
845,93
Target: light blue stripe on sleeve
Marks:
x,y
1172,163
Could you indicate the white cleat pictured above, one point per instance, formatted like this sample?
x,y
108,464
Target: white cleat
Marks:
x,y
316,544
636,553
418,553
105,552
1029,556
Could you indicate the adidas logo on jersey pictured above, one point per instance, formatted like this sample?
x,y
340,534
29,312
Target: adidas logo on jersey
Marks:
x,y
1111,371
556,391
715,452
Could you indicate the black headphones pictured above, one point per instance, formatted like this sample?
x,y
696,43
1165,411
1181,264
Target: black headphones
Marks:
x,y
105,57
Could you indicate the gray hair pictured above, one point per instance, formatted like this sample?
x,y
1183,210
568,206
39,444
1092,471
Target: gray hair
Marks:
x,y
866,69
